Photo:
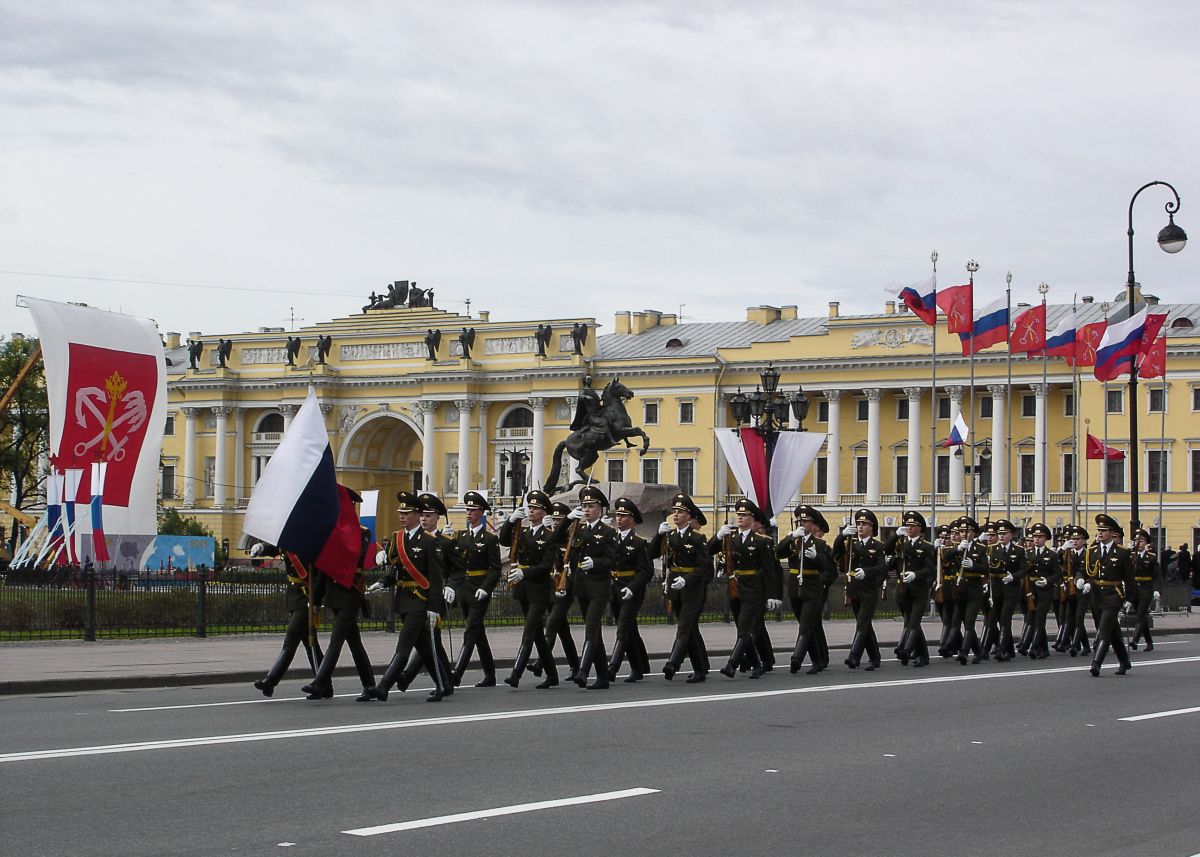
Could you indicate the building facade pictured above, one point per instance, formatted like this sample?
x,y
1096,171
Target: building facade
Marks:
x,y
401,417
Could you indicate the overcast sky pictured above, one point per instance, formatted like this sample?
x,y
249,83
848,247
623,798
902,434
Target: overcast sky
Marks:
x,y
555,159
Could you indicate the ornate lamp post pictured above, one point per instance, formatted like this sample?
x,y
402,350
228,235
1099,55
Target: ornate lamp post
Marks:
x,y
516,474
1172,239
766,410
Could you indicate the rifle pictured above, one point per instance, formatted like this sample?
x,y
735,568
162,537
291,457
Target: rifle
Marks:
x,y
938,597
560,582
849,546
901,566
730,578
306,581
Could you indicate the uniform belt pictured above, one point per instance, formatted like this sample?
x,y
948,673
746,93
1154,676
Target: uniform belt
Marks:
x,y
808,572
744,572
972,574
300,580
409,584
998,573
1112,583
683,569
478,572
1144,579
623,574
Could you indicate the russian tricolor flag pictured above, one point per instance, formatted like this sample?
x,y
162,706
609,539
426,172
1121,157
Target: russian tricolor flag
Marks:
x,y
54,521
298,504
958,432
1061,343
989,326
920,298
1123,341
99,546
71,479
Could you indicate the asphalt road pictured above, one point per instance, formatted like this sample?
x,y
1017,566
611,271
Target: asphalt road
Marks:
x,y
1025,758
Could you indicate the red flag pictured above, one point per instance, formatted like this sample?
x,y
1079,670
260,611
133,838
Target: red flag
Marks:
x,y
339,557
1098,449
958,305
1087,340
1154,323
1029,332
1154,360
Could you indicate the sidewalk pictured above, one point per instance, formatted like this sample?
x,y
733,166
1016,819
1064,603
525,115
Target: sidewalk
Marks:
x,y
74,665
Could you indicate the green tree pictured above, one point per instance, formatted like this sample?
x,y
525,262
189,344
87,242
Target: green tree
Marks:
x,y
171,523
25,423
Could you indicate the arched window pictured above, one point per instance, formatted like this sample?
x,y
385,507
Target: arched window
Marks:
x,y
518,418
1181,322
271,422
675,342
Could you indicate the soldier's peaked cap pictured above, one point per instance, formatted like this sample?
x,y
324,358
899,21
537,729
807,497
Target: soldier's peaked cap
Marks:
x,y
560,510
914,517
868,516
1040,530
1078,532
1140,533
592,494
475,500
966,522
624,504
684,503
1106,522
431,503
746,506
538,500
808,513
407,501
1005,526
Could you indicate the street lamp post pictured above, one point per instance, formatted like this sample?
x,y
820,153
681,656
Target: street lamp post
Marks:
x,y
1172,239
766,411
515,474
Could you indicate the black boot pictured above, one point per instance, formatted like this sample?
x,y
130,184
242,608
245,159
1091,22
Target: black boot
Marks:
x,y
1149,639
585,664
600,659
388,678
460,666
856,649
873,656
518,670
614,663
799,652
1098,660
675,658
735,657
265,685
970,643
487,663
757,667
902,651
1122,656
942,649
1026,639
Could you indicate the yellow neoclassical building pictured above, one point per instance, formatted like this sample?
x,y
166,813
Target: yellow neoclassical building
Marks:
x,y
403,416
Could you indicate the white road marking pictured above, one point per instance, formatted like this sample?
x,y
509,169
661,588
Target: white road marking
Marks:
x,y
346,729
976,742
498,811
1158,714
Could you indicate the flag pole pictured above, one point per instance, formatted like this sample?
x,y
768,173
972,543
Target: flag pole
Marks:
x,y
1162,467
1007,407
1075,391
972,267
1087,474
933,400
1104,403
1043,288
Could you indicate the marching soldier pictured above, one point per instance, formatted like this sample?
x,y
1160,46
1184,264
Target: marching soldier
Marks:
x,y
631,573
296,635
687,569
557,625
1148,579
479,553
1007,572
972,589
1064,607
1110,581
532,580
749,561
1043,574
591,548
863,560
1075,559
946,588
914,560
810,563
761,525
415,567
991,591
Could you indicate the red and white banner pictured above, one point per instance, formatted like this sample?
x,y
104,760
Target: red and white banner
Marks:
x,y
791,460
107,387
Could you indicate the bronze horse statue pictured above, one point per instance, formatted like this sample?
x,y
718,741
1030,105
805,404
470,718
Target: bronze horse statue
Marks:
x,y
597,427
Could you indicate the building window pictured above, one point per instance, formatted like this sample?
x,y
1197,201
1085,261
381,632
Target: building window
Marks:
x,y
823,411
944,408
616,470
860,474
1157,400
650,413
686,475
169,428
1157,462
687,415
168,481
901,473
1068,404
1068,478
1196,398
1114,401
518,418
1028,406
985,407
943,474
822,475
985,477
1114,476
650,471
1027,480
902,408
862,410
1195,454
271,423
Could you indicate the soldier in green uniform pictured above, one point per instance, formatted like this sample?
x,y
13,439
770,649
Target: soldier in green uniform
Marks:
x,y
914,560
591,547
864,561
1008,569
415,567
687,569
1043,572
478,551
972,583
1110,581
296,635
631,573
750,562
1149,578
810,562
558,627
532,582
946,588
1075,562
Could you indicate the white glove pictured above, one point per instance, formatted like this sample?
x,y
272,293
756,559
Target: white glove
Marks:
x,y
1008,578
725,530
963,545
665,527
1156,595
381,557
908,576
517,515
558,594
1086,588
797,534
937,543
481,594
626,593
720,572
1079,582
678,583
447,530
968,562
607,520
448,594
257,549
774,603
516,576
433,617
586,564
810,552
774,521
1127,607
985,589
576,513
850,530
375,587
1041,583
859,574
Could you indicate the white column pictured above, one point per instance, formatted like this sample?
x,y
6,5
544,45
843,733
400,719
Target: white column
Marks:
x,y
833,449
956,463
483,458
288,412
1000,451
465,482
913,496
874,394
219,469
239,454
189,456
1039,440
427,410
537,462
